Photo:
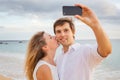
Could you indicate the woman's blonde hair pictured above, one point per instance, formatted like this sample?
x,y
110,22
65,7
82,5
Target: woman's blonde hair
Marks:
x,y
34,53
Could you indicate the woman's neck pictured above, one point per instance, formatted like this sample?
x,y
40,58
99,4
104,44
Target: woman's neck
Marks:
x,y
49,58
50,61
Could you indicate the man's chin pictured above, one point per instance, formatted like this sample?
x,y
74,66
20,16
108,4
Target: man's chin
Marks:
x,y
64,44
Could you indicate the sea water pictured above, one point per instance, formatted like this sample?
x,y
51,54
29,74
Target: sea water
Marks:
x,y
12,58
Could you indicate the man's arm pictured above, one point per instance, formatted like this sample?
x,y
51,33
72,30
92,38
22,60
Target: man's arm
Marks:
x,y
89,18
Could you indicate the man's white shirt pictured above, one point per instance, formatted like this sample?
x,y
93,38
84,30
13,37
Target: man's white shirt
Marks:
x,y
78,62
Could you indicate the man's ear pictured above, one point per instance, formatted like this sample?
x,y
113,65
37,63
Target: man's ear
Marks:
x,y
74,33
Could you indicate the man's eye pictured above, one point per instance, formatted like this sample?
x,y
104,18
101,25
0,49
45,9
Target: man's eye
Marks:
x,y
58,31
66,30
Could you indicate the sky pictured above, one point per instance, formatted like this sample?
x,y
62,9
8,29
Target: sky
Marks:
x,y
20,19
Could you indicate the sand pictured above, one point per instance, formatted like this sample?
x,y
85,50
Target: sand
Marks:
x,y
4,78
11,68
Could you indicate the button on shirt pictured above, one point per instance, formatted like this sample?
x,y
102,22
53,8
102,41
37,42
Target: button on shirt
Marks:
x,y
78,62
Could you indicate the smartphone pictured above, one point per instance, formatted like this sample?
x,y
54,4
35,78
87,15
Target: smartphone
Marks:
x,y
72,10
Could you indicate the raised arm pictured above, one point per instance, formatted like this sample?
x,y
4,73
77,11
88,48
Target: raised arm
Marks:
x,y
89,18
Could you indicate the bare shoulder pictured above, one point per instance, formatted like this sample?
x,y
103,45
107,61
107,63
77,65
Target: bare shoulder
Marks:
x,y
44,73
43,68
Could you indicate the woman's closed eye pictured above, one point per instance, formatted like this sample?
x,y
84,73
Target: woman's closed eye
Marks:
x,y
50,37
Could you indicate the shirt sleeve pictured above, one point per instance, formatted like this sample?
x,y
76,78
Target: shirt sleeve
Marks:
x,y
93,57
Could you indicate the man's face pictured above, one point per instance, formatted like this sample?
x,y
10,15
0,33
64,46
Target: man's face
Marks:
x,y
64,34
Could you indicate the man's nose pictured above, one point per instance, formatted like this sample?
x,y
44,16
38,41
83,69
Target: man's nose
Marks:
x,y
62,33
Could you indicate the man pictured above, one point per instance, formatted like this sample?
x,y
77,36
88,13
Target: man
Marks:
x,y
77,61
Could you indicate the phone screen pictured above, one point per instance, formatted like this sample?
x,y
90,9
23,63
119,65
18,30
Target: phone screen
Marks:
x,y
72,10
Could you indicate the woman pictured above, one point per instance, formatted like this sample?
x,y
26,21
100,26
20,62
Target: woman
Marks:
x,y
40,57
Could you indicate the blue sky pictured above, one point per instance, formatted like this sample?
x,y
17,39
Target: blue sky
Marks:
x,y
20,19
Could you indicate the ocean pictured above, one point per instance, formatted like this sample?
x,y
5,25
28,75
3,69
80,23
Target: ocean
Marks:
x,y
12,58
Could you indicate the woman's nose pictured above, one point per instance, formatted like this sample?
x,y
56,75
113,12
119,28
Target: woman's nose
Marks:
x,y
54,37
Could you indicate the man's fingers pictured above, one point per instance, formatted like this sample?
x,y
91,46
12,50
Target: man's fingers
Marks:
x,y
79,17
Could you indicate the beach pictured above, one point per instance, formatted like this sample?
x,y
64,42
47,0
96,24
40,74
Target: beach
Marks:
x,y
12,58
12,68
4,78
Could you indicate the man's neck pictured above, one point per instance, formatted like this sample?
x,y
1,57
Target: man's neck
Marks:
x,y
66,48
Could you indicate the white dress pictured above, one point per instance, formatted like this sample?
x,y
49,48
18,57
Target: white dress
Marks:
x,y
52,68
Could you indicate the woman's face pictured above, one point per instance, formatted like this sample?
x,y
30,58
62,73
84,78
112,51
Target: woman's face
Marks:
x,y
51,41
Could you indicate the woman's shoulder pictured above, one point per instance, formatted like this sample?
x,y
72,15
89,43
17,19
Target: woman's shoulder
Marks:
x,y
42,68
44,71
41,63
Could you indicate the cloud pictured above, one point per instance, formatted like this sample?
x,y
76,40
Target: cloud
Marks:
x,y
28,6
34,14
1,27
47,8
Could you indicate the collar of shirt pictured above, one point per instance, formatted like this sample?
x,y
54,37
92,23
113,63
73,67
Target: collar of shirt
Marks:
x,y
73,47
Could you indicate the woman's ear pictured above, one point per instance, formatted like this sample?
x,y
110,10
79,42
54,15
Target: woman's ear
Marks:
x,y
45,48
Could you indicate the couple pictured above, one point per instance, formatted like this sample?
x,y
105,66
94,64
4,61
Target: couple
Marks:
x,y
76,61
